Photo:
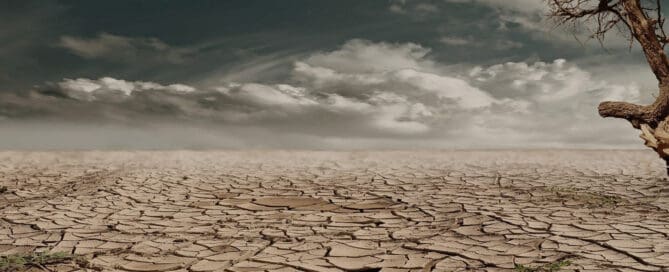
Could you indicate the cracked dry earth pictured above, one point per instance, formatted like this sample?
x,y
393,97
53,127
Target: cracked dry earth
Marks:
x,y
338,211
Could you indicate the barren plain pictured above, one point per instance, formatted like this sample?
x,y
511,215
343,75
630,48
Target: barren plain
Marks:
x,y
541,210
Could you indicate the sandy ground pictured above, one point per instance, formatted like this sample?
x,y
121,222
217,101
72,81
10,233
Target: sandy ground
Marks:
x,y
334,211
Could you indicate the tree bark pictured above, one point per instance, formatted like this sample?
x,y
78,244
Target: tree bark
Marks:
x,y
652,114
643,30
647,29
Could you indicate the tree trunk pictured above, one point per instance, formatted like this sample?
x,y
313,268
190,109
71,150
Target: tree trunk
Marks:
x,y
651,119
646,25
643,30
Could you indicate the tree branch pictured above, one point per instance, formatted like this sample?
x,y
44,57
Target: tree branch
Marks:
x,y
627,111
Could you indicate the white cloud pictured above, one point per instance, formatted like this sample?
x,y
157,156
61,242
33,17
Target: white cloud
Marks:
x,y
547,82
362,56
367,90
89,89
79,85
264,95
445,87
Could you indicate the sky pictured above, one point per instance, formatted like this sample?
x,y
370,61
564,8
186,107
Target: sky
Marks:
x,y
309,74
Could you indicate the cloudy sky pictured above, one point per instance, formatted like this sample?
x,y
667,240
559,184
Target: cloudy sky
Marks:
x,y
344,74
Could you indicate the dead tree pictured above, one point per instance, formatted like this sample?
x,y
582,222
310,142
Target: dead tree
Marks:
x,y
644,22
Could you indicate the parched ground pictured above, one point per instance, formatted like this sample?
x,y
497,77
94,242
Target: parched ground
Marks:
x,y
334,211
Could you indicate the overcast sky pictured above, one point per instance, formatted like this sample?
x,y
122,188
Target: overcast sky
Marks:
x,y
344,74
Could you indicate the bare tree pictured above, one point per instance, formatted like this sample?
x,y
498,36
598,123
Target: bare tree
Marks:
x,y
644,22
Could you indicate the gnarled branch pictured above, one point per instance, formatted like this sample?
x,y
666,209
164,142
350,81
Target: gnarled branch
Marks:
x,y
652,114
645,23
626,110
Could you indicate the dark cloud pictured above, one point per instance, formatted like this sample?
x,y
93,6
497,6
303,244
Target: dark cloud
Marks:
x,y
363,90
311,74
